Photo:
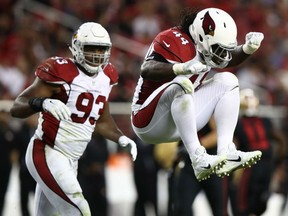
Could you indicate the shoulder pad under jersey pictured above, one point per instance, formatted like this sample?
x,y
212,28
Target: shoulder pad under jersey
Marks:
x,y
111,71
57,70
174,45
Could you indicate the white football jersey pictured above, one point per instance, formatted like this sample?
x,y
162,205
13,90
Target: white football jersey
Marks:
x,y
85,96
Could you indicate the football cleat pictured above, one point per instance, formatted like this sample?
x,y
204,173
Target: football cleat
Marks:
x,y
238,160
204,164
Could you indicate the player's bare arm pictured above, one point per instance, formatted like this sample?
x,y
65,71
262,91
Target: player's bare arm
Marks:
x,y
238,56
107,127
155,70
38,89
159,71
241,53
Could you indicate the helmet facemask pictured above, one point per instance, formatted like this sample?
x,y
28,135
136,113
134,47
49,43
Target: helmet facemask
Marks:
x,y
217,56
92,57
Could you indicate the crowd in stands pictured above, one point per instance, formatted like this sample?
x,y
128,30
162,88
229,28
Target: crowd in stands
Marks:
x,y
28,36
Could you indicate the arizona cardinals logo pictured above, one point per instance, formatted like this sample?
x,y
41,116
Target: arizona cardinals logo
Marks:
x,y
75,35
208,24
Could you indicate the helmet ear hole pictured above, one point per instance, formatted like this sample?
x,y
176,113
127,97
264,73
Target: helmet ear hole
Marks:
x,y
200,38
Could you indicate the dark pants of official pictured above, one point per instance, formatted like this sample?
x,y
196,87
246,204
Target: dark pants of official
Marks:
x,y
184,187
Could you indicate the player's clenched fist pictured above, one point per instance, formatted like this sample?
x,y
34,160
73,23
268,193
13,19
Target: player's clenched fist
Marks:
x,y
252,42
193,66
124,141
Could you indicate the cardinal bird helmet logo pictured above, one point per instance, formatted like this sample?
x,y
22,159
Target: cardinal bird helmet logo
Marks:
x,y
208,24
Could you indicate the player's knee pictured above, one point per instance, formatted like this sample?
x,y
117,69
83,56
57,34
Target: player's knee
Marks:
x,y
184,83
226,78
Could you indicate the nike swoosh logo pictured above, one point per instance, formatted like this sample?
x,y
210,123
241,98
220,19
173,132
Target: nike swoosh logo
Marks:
x,y
235,160
167,45
207,167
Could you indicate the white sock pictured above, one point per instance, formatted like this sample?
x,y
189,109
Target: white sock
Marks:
x,y
183,113
226,117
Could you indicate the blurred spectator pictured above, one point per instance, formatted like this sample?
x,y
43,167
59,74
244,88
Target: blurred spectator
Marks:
x,y
145,176
250,188
12,79
251,76
146,24
91,175
27,183
184,187
8,155
131,18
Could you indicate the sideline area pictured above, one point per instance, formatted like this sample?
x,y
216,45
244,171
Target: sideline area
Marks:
x,y
122,198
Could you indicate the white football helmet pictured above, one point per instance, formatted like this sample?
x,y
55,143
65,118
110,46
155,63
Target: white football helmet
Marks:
x,y
215,35
91,34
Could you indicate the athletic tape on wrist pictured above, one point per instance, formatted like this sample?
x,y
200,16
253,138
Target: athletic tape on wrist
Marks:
x,y
36,104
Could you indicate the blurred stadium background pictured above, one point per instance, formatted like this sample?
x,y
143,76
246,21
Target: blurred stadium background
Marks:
x,y
122,196
31,31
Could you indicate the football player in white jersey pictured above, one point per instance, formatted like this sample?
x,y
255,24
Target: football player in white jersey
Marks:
x,y
72,98
173,99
